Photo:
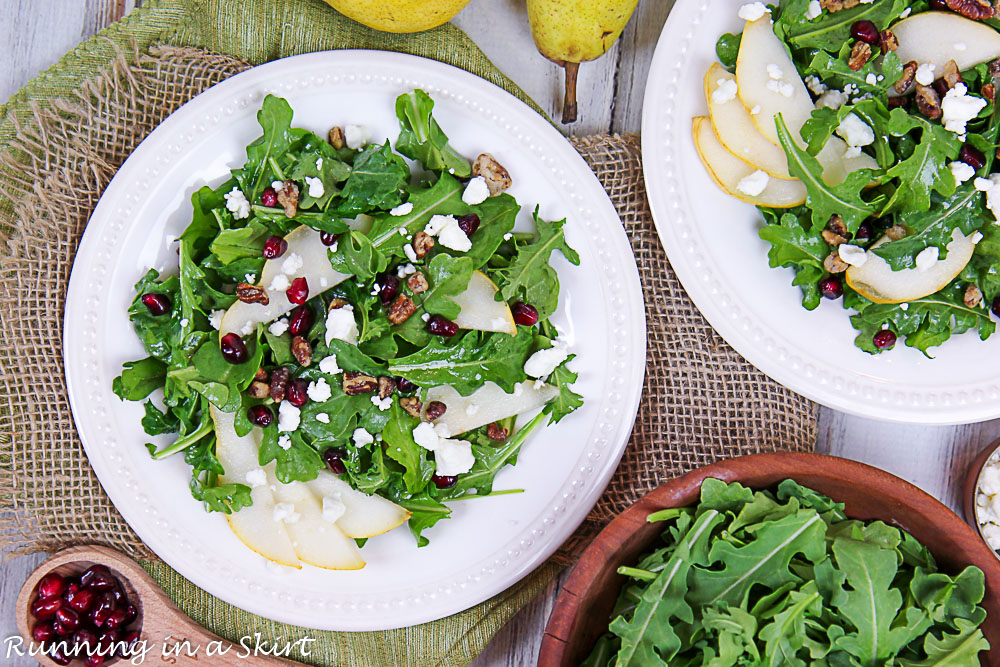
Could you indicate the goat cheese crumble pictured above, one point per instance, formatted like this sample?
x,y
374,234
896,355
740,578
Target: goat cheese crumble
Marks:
x,y
289,417
319,391
958,108
256,477
925,74
753,11
402,209
927,258
725,91
316,189
813,10
476,191
340,325
855,132
961,171
753,184
329,365
285,512
215,319
278,327
237,204
361,437
279,283
355,136
333,508
543,362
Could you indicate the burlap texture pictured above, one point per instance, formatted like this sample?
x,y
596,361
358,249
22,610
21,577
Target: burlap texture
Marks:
x,y
702,401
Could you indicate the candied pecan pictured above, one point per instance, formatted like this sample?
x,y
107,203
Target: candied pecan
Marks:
x,y
994,67
386,386
834,264
258,389
497,178
977,10
973,296
411,405
336,302
895,232
422,243
336,137
288,197
248,293
401,309
950,74
261,374
417,283
279,382
837,5
496,432
356,383
832,238
302,350
434,410
928,101
836,225
888,41
906,78
989,92
860,53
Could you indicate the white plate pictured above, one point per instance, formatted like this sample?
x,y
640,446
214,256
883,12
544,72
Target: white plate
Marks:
x,y
489,544
711,239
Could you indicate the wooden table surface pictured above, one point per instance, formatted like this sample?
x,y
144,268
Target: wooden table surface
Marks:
x,y
37,32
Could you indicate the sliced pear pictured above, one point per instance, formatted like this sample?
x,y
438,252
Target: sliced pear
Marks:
x,y
876,281
734,127
305,242
487,404
937,37
316,540
727,171
254,525
481,310
365,516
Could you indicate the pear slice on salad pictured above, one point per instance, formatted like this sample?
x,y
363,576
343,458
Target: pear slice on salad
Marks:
x,y
317,540
728,171
735,128
488,404
481,310
253,525
937,37
364,516
876,281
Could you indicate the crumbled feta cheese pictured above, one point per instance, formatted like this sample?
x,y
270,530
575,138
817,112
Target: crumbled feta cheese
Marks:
x,y
508,236
402,209
237,204
289,417
476,191
409,252
871,79
278,185
925,74
453,457
333,507
977,237
927,258
319,164
906,12
833,99
958,108
816,86
425,436
256,477
454,238
543,362
854,131
278,327
316,189
250,277
753,184
404,270
774,72
184,322
291,264
279,283
215,319
783,88
991,186
755,110
471,409
285,512
361,437
247,329
961,171
382,404
329,365
355,136
753,11
814,9
725,91
437,223
285,442
904,307
319,391
852,254
322,418
340,324
425,317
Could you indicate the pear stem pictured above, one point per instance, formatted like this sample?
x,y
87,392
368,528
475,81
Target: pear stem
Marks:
x,y
569,101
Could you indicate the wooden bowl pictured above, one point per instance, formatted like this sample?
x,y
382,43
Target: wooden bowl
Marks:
x,y
583,608
972,486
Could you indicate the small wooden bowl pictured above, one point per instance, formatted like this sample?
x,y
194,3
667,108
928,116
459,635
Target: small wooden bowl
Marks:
x,y
583,609
972,486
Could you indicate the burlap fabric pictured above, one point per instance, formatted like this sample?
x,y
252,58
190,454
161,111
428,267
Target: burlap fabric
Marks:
x,y
702,401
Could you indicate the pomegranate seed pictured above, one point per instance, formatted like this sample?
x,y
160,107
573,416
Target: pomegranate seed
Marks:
x,y
234,350
404,385
972,156
72,586
898,101
831,287
59,629
940,5
301,321
333,458
469,223
120,597
51,585
328,239
444,481
82,600
45,608
388,285
260,415
58,655
441,326
99,577
884,339
524,314
68,619
102,610
298,292
866,31
269,197
132,613
274,247
95,660
43,632
157,304
864,232
86,639
107,640
116,619
296,392
995,306
129,639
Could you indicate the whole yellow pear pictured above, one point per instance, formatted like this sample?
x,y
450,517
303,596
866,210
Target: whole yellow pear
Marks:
x,y
399,15
569,32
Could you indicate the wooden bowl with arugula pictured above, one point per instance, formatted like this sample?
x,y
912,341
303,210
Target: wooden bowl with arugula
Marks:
x,y
781,559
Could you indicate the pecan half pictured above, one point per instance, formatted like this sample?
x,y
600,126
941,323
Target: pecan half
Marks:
x,y
497,178
837,225
401,309
895,232
860,53
336,302
837,5
977,10
279,382
302,351
973,296
336,137
422,243
989,92
434,410
248,293
928,101
261,374
411,405
288,197
834,264
950,74
417,283
833,238
386,386
994,67
888,41
906,78
496,432
258,389
356,383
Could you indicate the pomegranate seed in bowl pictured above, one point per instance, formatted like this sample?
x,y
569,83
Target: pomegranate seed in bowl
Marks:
x,y
43,632
82,600
51,585
46,608
98,578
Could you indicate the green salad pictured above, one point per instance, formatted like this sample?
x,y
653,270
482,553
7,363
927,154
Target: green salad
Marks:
x,y
882,194
351,309
785,578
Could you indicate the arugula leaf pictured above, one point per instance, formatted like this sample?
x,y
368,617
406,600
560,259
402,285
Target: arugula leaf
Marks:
x,y
156,423
205,469
356,255
233,244
139,379
400,446
490,460
727,48
800,248
421,138
448,276
425,511
786,633
961,648
833,29
378,178
299,462
275,118
926,169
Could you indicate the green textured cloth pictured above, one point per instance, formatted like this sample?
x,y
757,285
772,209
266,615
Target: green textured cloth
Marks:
x,y
259,31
